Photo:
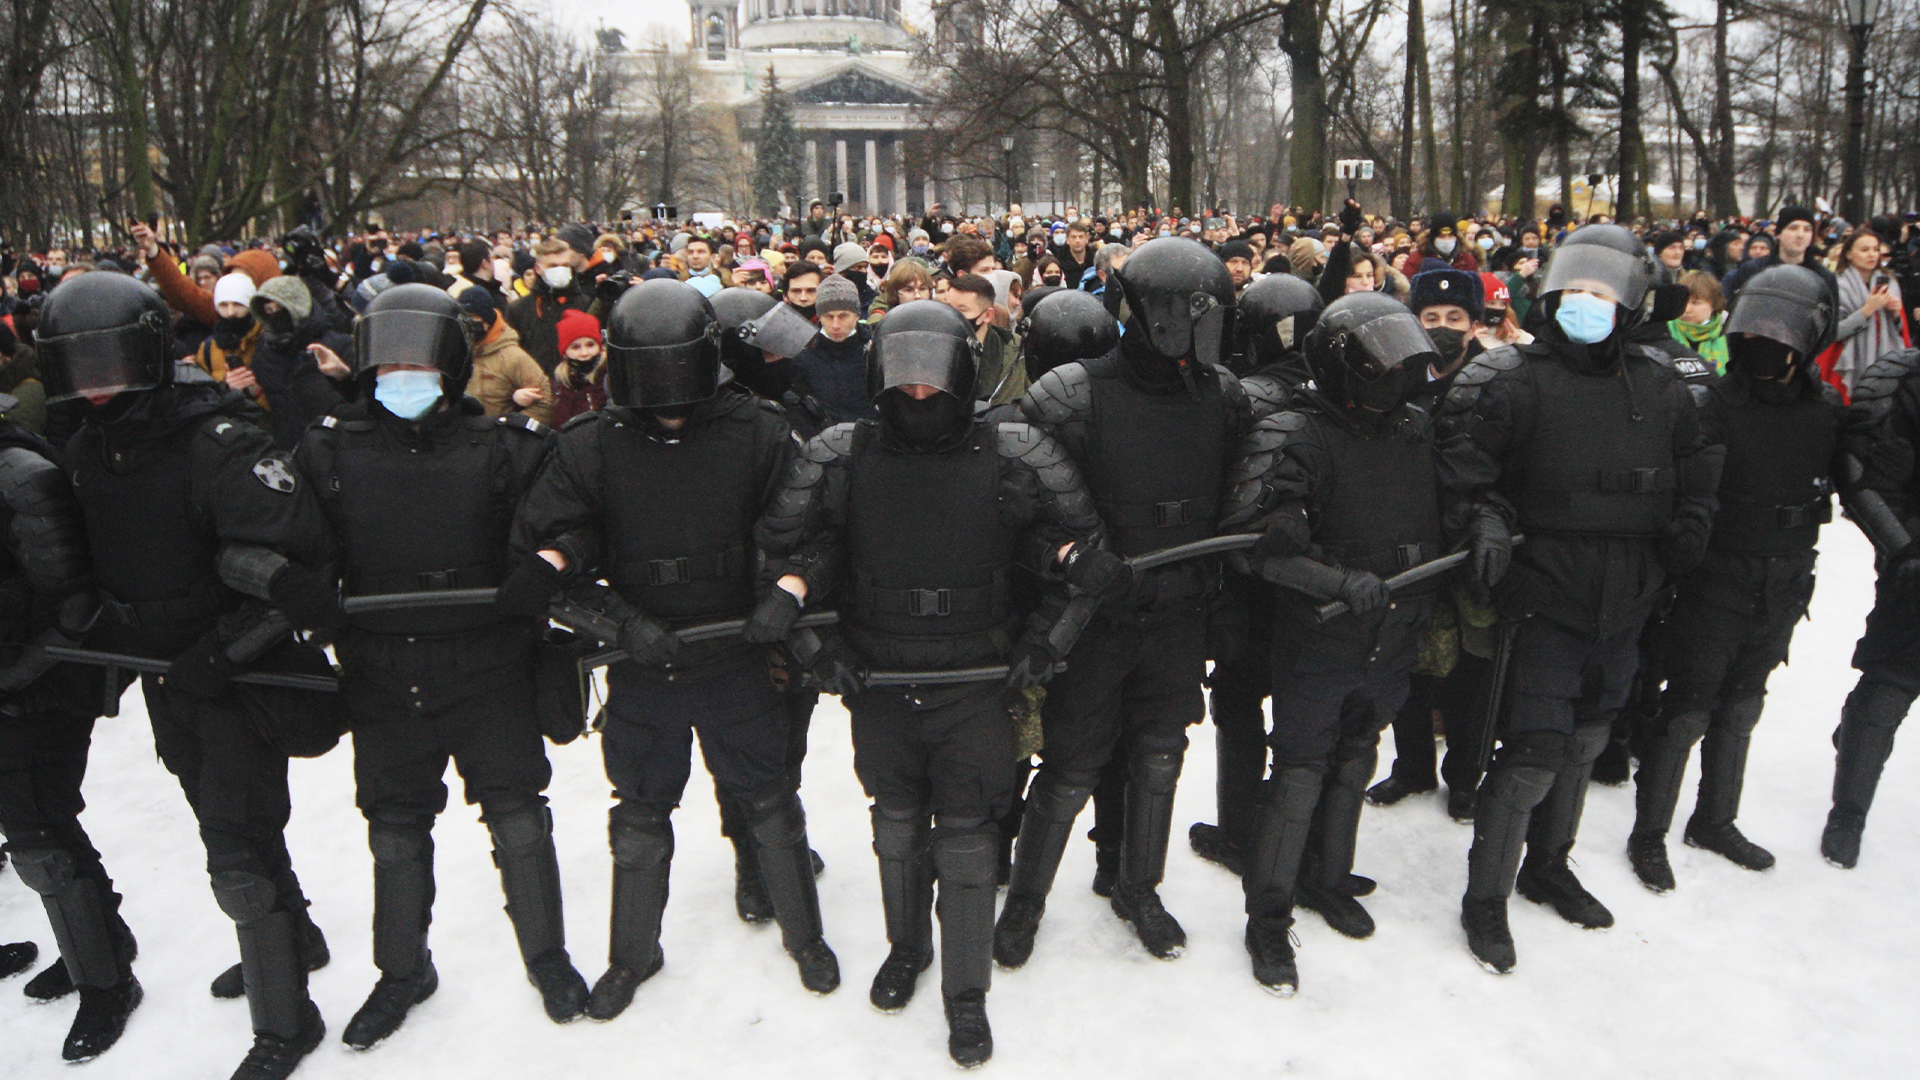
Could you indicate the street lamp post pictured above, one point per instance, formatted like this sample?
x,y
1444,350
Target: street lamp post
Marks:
x,y
1006,147
1860,16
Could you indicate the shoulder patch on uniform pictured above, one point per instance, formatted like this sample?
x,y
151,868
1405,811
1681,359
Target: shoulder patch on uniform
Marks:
x,y
275,474
224,429
523,421
329,422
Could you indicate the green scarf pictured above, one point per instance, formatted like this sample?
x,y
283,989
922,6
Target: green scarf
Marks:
x,y
1709,339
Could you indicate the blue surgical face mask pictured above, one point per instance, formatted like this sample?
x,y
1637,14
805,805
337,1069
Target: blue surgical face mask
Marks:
x,y
407,394
1585,318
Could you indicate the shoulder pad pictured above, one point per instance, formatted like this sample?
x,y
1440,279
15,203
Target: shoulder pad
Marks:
x,y
1655,356
1831,395
831,445
1268,394
1265,442
1059,394
1480,371
1873,392
523,422
582,420
27,479
1032,448
1230,387
769,405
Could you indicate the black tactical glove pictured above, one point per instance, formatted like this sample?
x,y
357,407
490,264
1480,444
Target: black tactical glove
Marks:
x,y
203,670
1030,663
646,640
1684,545
836,670
1283,534
1095,570
308,598
1363,591
1492,545
1903,570
610,287
772,618
529,590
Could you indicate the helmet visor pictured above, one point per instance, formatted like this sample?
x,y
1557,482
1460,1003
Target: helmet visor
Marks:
x,y
419,338
1615,276
1388,342
923,358
108,361
660,376
783,332
1785,318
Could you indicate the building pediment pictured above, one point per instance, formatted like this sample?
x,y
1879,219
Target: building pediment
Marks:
x,y
854,84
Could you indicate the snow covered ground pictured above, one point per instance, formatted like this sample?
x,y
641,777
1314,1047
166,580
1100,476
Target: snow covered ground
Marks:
x,y
1804,971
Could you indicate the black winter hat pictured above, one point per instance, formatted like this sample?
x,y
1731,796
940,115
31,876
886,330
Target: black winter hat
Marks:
x,y
1789,215
577,236
1236,249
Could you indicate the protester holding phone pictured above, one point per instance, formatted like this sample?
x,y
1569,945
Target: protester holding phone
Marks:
x,y
1874,322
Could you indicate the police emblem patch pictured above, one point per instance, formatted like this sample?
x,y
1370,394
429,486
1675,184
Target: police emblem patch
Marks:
x,y
274,473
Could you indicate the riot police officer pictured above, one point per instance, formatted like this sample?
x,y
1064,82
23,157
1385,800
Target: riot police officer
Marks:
x,y
1734,615
1152,426
918,523
1592,449
1345,487
1274,317
177,486
659,494
420,487
47,710
1883,425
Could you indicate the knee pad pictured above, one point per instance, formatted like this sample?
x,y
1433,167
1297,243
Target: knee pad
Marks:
x,y
1880,704
395,842
899,836
44,870
965,856
245,897
640,836
522,830
1156,771
1058,798
777,820
1589,741
1739,717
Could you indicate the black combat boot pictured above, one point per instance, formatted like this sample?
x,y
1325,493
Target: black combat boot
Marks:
x,y
1280,836
1510,792
906,895
963,862
530,877
1863,741
95,948
1151,779
1546,877
286,1023
402,909
1052,804
1723,773
786,865
1656,792
641,838
1325,886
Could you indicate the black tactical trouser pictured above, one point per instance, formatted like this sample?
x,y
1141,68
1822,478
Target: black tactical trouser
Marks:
x,y
938,764
1337,686
43,759
799,705
745,728
1237,688
1131,685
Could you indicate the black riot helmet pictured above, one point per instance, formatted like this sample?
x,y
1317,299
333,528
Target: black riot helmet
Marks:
x,y
304,254
1176,300
1264,306
924,343
103,333
735,308
663,347
1783,314
1368,351
1065,326
1607,260
419,325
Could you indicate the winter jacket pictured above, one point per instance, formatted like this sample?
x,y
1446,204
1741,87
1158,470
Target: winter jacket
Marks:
x,y
830,382
501,366
536,318
571,397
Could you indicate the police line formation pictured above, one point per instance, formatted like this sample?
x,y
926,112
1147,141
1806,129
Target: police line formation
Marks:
x,y
1320,498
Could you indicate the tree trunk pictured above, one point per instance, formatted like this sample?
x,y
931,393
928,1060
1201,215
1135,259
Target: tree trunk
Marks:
x,y
1178,104
1518,113
1401,195
131,88
1300,40
1722,192
1630,193
1429,142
